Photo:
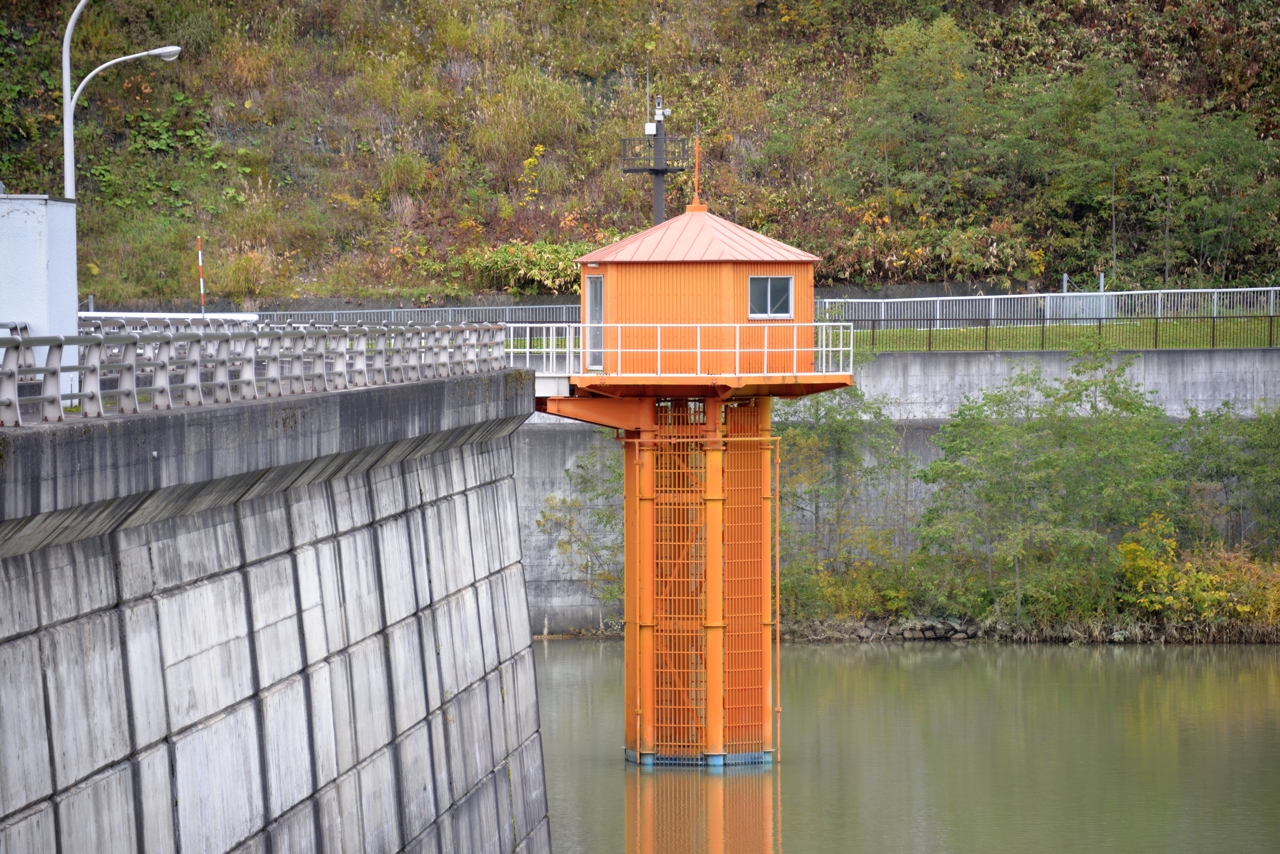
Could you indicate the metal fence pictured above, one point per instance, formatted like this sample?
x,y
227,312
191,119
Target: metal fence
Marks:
x,y
126,366
1132,320
454,314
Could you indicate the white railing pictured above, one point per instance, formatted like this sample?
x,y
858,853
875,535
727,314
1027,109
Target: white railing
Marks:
x,y
681,350
1021,309
126,365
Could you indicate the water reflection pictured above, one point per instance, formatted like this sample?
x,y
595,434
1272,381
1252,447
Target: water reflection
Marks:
x,y
932,748
694,811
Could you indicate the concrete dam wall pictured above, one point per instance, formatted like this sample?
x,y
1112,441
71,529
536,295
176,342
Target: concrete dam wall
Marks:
x,y
922,390
280,626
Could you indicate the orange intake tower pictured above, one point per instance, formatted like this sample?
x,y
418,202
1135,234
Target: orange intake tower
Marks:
x,y
690,329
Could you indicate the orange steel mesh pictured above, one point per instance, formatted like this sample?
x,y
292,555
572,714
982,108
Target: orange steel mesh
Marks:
x,y
680,666
743,609
668,653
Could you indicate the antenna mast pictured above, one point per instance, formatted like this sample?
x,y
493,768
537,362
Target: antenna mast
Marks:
x,y
657,154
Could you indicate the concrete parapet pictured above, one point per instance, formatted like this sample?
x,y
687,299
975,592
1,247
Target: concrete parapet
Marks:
x,y
316,638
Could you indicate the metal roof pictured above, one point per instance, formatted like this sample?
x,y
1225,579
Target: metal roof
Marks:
x,y
696,236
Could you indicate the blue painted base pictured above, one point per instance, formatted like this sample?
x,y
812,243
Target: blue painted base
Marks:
x,y
706,760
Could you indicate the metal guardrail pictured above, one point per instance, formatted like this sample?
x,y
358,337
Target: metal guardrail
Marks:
x,y
455,314
127,365
1131,320
1019,309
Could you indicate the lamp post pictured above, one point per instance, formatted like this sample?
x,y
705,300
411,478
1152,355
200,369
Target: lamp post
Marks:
x,y
168,54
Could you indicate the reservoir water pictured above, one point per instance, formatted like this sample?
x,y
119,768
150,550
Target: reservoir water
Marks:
x,y
934,748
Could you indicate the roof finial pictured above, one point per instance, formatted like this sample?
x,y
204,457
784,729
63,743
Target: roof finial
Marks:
x,y
696,204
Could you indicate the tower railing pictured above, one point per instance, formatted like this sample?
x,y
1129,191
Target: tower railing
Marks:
x,y
679,350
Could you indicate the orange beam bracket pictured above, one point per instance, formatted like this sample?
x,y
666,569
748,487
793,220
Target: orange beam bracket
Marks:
x,y
632,413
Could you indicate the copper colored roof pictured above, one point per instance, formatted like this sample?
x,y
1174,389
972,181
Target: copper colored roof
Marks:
x,y
696,236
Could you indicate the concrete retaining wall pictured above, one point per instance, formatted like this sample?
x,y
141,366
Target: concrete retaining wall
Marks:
x,y
326,653
930,386
922,390
544,448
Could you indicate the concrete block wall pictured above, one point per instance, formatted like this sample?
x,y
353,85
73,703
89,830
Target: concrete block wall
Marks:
x,y
333,657
341,667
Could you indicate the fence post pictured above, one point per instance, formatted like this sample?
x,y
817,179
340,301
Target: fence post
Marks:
x,y
1042,323
874,322
929,345
986,334
1213,327
1157,347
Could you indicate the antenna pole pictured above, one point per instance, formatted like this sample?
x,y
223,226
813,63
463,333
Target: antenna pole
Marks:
x,y
200,266
659,167
697,168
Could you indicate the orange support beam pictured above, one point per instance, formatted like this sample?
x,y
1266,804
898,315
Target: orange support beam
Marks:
x,y
714,617
765,426
646,564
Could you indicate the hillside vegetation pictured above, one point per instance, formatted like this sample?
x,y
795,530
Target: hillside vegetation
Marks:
x,y
411,151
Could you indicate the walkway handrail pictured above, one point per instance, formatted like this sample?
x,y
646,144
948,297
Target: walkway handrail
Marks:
x,y
144,364
681,349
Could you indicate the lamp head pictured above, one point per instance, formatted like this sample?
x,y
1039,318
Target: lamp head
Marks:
x,y
168,54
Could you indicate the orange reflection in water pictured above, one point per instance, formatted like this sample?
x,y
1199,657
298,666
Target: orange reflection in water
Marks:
x,y
683,811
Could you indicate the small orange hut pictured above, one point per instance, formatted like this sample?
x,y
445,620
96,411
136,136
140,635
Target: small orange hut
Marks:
x,y
698,296
690,328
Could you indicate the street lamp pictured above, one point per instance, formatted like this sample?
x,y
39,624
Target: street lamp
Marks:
x,y
168,54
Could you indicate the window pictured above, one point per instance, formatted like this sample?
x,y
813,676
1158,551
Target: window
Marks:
x,y
595,322
770,296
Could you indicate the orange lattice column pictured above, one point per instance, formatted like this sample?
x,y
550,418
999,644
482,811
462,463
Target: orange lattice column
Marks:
x,y
698,576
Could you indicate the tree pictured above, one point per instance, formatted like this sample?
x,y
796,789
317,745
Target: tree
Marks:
x,y
1038,480
842,475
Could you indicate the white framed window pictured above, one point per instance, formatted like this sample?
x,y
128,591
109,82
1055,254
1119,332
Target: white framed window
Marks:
x,y
769,296
595,322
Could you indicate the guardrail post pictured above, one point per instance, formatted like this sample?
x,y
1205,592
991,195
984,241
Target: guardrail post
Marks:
x,y
10,414
359,357
51,386
222,371
161,396
90,380
271,377
127,385
248,379
499,347
378,355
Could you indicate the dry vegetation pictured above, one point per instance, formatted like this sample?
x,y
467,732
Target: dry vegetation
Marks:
x,y
382,150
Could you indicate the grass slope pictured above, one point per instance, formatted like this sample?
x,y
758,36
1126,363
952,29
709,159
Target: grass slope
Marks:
x,y
375,149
